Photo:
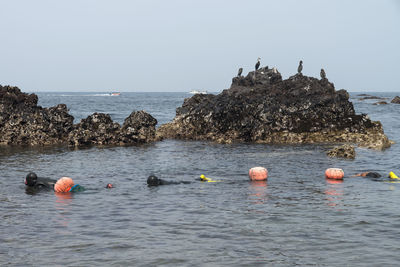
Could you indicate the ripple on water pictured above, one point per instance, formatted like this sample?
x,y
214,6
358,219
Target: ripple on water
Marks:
x,y
294,218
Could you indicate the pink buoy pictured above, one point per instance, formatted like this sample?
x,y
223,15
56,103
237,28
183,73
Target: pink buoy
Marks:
x,y
334,173
258,174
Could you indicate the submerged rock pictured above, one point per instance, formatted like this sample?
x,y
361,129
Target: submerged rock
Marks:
x,y
380,103
344,151
395,100
23,122
372,97
263,108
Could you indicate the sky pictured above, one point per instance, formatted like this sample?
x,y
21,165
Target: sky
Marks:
x,y
184,45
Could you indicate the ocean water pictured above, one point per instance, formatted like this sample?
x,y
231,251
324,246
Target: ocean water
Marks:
x,y
297,217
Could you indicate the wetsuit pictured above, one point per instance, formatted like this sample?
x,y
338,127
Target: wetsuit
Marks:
x,y
155,181
42,184
45,183
164,182
368,174
373,175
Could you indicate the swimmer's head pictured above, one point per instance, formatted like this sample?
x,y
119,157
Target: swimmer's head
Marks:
x,y
109,186
31,179
153,180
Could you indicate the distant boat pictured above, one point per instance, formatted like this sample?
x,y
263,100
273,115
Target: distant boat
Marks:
x,y
115,93
195,92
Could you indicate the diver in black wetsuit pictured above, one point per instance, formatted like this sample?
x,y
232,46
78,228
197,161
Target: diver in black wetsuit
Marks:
x,y
32,181
153,180
368,174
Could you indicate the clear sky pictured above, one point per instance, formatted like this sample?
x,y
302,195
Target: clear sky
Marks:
x,y
182,45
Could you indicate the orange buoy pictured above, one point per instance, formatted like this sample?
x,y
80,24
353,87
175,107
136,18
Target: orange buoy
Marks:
x,y
334,173
258,174
63,185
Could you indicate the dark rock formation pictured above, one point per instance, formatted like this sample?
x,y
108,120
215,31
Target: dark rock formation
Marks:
x,y
395,100
380,103
364,95
139,127
263,108
371,97
344,151
23,122
99,129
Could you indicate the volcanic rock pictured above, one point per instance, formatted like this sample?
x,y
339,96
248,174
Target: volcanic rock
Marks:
x,y
139,127
263,108
344,151
23,122
380,103
364,95
99,129
395,100
371,97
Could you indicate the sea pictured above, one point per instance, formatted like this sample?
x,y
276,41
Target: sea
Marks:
x,y
295,218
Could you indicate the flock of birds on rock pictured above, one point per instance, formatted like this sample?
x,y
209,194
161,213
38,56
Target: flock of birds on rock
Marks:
x,y
299,69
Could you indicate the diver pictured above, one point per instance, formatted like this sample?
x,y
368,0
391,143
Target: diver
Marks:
x,y
391,175
64,184
368,174
153,180
34,183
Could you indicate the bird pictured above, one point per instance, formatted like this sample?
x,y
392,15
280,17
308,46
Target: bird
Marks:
x,y
258,63
300,68
323,75
240,72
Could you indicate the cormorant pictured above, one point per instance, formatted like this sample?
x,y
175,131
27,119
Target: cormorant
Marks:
x,y
240,72
258,63
300,68
323,75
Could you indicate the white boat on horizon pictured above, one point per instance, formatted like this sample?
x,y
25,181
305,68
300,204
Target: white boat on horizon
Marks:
x,y
195,92
115,93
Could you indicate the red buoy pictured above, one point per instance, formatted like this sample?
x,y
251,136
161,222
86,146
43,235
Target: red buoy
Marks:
x,y
334,173
258,174
63,185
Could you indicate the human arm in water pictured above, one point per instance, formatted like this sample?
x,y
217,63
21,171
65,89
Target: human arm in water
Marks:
x,y
368,174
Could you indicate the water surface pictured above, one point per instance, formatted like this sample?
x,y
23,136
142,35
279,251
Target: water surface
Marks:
x,y
295,218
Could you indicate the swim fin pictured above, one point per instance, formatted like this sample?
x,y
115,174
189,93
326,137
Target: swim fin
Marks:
x,y
393,176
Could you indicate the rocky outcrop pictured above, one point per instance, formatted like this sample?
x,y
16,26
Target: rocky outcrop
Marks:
x,y
99,129
395,100
372,97
23,122
380,103
344,151
139,127
263,108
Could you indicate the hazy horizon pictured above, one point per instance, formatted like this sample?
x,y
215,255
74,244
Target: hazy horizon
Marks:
x,y
178,46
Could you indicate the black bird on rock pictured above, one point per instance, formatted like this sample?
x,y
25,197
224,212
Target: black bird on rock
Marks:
x,y
258,63
300,68
240,72
323,75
